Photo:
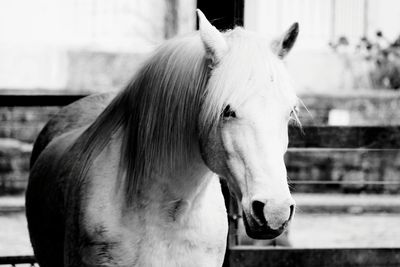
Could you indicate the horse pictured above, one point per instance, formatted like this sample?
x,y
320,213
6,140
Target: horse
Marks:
x,y
131,179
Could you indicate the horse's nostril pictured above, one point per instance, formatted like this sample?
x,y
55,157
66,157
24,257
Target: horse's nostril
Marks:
x,y
258,211
291,212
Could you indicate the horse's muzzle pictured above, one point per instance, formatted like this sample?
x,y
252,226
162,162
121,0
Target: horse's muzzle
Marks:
x,y
257,231
257,226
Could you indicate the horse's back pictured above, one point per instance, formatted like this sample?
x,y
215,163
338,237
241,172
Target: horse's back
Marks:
x,y
76,115
46,187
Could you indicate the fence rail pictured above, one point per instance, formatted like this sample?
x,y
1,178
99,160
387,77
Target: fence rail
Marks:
x,y
315,257
371,137
16,260
31,100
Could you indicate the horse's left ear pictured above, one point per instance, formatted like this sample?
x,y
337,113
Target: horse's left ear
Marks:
x,y
212,39
282,47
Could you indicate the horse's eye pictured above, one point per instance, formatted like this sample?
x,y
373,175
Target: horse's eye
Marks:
x,y
228,112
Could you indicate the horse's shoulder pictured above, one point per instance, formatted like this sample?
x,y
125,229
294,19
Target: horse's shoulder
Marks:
x,y
45,203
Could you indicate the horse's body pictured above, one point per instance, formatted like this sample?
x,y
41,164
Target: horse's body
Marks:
x,y
127,180
114,236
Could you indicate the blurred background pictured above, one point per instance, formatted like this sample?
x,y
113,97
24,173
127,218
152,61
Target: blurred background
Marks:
x,y
345,66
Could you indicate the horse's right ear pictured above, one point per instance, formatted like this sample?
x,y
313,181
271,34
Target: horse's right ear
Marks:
x,y
282,47
212,39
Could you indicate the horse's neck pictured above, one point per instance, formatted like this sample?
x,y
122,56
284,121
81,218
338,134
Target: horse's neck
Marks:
x,y
181,210
177,194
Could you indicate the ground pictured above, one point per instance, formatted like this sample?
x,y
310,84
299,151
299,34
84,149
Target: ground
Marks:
x,y
307,231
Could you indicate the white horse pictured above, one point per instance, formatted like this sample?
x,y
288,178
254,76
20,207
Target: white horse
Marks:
x,y
132,179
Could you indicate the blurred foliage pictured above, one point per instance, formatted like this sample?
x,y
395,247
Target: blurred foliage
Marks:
x,y
372,62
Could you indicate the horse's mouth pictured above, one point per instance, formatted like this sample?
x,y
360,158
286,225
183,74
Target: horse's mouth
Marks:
x,y
257,231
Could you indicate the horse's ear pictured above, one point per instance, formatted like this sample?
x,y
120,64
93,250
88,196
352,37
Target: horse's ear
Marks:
x,y
282,47
213,40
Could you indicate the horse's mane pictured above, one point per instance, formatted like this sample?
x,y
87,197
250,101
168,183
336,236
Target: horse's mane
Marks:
x,y
165,108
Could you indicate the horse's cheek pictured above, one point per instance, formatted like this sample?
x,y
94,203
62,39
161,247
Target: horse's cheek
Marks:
x,y
212,153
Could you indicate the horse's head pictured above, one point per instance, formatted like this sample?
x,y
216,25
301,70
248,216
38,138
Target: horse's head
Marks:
x,y
246,144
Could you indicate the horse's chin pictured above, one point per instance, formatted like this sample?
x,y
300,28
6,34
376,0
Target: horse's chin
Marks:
x,y
257,231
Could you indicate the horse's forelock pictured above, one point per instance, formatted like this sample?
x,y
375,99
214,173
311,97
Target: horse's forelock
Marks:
x,y
248,66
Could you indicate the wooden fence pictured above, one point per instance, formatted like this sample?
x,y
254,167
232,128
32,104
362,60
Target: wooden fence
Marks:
x,y
322,257
18,260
